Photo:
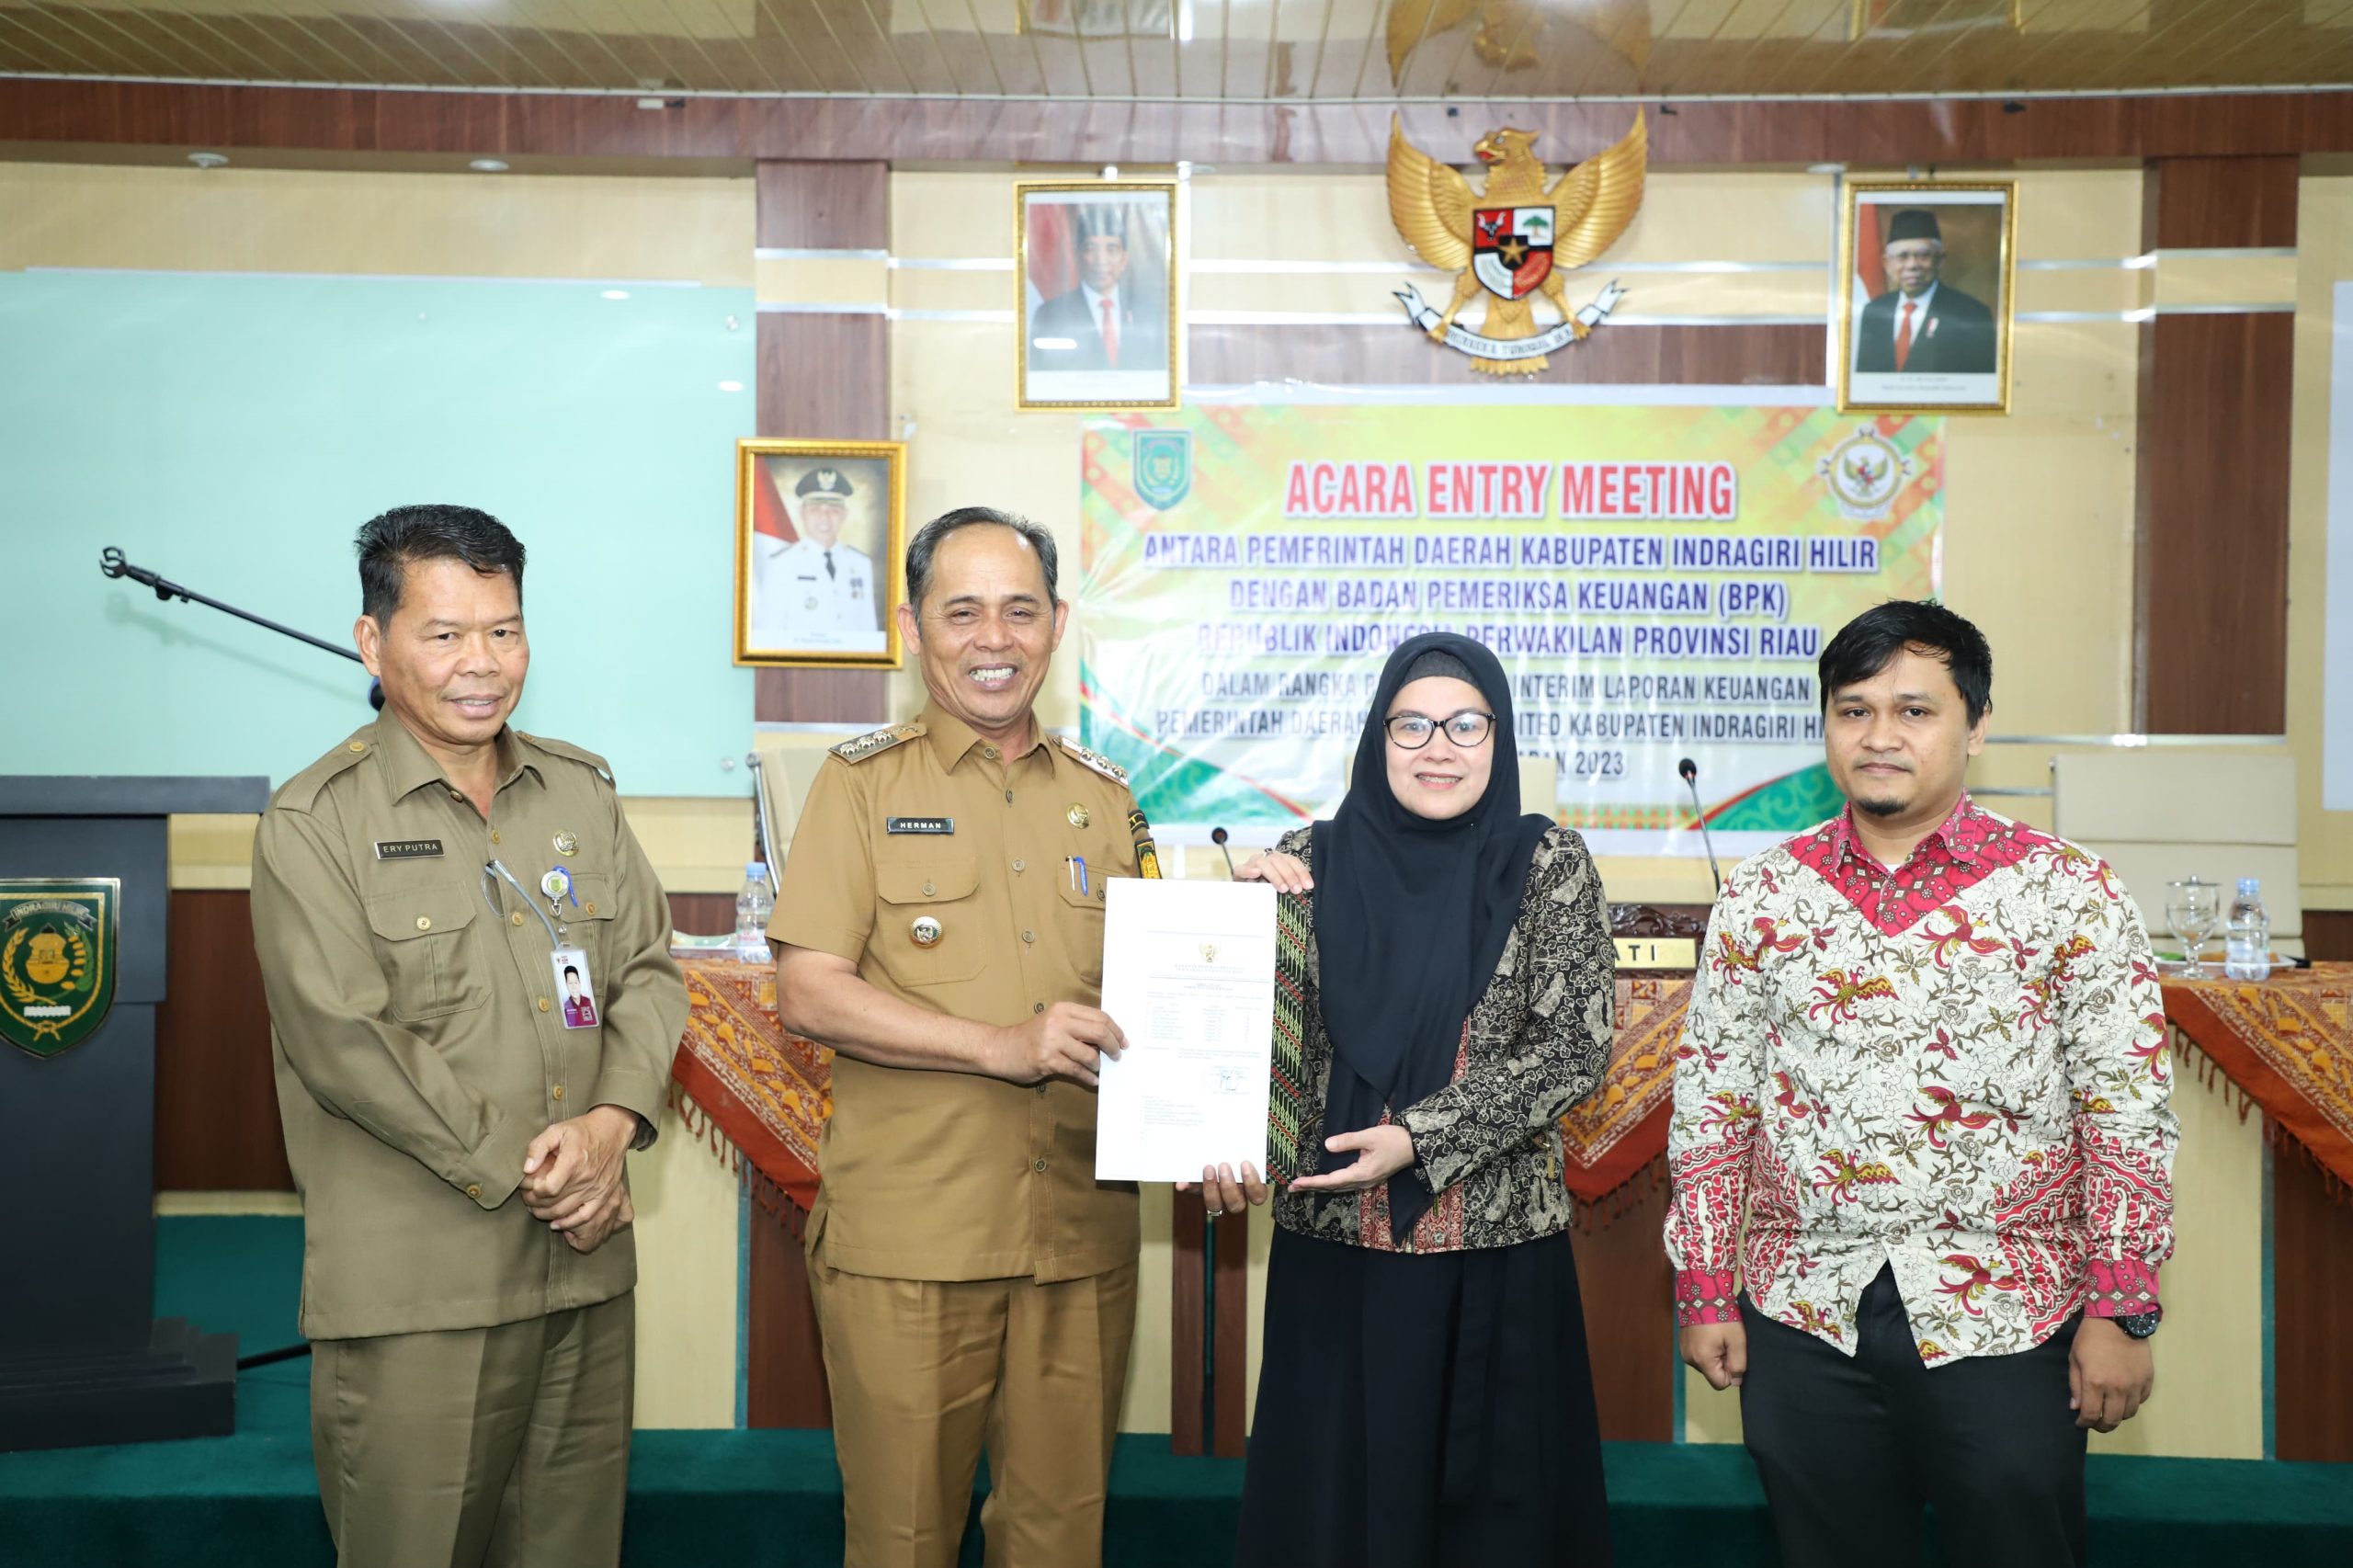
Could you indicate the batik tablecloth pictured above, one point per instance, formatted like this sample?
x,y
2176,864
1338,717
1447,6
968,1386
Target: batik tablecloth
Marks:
x,y
757,1087
2287,1044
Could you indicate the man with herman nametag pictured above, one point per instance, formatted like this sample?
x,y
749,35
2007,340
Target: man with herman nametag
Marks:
x,y
473,1010
940,925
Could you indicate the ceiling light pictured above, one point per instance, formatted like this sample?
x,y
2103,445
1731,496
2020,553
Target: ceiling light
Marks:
x,y
616,293
207,160
488,165
730,386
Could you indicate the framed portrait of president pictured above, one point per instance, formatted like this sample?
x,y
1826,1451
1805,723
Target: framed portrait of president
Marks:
x,y
1095,277
1926,285
819,534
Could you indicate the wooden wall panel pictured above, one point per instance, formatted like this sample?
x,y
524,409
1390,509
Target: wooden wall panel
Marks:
x,y
2211,564
823,376
408,129
2312,1285
787,1374
2328,935
216,1096
702,914
1393,355
818,206
1629,1293
1215,1425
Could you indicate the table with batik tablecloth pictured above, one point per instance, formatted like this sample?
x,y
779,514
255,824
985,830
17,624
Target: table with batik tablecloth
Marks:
x,y
2286,1044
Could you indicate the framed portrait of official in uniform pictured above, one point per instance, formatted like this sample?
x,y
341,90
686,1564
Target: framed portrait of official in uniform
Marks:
x,y
1097,274
1926,285
820,534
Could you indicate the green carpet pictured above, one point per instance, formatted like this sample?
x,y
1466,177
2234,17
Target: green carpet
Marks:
x,y
773,1500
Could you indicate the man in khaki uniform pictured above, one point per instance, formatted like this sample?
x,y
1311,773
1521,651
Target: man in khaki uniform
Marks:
x,y
940,924
458,1141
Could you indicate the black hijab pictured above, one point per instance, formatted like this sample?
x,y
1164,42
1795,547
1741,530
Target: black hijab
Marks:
x,y
1411,914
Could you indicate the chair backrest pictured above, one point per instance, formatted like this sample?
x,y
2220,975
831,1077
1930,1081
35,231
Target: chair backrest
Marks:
x,y
2157,814
789,764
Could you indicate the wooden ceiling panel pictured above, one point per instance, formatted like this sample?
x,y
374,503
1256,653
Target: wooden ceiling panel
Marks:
x,y
1368,52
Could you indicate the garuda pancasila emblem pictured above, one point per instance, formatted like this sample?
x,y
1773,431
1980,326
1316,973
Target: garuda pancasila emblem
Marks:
x,y
1513,239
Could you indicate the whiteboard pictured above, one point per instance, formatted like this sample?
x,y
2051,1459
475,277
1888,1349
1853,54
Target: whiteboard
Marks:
x,y
233,431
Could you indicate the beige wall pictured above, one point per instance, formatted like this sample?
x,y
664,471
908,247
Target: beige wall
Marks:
x,y
2038,547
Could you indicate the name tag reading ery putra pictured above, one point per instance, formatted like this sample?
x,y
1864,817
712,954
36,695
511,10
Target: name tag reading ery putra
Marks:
x,y
407,848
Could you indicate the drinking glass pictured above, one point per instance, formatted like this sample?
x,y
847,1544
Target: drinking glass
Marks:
x,y
2194,909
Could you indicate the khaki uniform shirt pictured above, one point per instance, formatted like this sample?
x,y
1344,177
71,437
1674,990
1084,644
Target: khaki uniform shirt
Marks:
x,y
950,1176
417,1025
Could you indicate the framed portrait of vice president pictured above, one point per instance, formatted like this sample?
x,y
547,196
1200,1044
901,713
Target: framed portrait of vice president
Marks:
x,y
1926,287
1096,284
820,531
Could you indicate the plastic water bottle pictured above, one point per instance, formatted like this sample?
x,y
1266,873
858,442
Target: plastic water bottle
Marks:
x,y
752,906
2248,950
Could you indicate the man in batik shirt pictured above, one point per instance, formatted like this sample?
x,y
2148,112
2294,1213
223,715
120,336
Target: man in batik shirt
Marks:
x,y
1921,1153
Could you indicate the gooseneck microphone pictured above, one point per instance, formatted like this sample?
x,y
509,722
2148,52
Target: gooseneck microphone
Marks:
x,y
1217,837
1690,772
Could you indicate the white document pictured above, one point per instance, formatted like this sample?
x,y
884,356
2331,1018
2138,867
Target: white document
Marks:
x,y
1188,975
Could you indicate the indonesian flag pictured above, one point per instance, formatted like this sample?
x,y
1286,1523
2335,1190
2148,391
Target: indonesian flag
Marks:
x,y
1054,253
771,516
1870,278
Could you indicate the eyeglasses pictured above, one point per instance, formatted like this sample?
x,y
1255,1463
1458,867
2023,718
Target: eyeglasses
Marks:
x,y
1412,732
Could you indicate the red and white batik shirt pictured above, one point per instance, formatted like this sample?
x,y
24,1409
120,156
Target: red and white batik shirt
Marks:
x,y
1956,1067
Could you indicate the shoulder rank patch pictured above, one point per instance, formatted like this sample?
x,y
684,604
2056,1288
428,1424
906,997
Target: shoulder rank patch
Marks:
x,y
874,742
1102,765
570,753
302,792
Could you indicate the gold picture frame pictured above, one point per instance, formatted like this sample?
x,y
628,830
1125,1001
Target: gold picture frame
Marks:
x,y
802,601
1060,351
1955,356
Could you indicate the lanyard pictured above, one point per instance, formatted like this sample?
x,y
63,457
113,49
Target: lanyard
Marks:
x,y
555,934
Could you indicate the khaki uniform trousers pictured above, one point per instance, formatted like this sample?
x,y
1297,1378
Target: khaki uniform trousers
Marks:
x,y
923,1373
505,1447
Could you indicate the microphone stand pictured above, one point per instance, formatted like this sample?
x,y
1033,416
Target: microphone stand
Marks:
x,y
1699,815
112,564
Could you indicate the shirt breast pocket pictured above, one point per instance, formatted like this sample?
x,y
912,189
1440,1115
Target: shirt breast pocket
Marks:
x,y
589,925
1081,914
930,929
426,945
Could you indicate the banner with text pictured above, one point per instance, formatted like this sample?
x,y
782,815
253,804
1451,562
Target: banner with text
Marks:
x,y
1658,580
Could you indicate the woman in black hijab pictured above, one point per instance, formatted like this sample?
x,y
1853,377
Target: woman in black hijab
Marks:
x,y
1424,1398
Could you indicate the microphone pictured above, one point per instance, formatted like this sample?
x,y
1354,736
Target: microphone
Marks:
x,y
1690,772
1217,837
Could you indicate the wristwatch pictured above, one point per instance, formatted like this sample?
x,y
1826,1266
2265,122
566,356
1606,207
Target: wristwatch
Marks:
x,y
2140,1326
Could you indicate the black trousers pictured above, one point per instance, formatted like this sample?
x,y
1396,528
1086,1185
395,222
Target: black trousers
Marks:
x,y
1850,1447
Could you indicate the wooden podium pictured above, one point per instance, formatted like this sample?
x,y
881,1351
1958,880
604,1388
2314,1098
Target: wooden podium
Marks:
x,y
83,1358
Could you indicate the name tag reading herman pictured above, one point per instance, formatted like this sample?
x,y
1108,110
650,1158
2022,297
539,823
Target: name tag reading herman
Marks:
x,y
920,824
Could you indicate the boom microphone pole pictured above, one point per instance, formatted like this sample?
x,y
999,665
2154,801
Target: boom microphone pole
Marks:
x,y
111,564
1217,837
1690,772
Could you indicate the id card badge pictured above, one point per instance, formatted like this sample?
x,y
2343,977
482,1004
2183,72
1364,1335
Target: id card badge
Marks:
x,y
576,985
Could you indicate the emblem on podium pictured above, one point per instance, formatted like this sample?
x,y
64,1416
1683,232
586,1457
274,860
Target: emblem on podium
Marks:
x,y
57,960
